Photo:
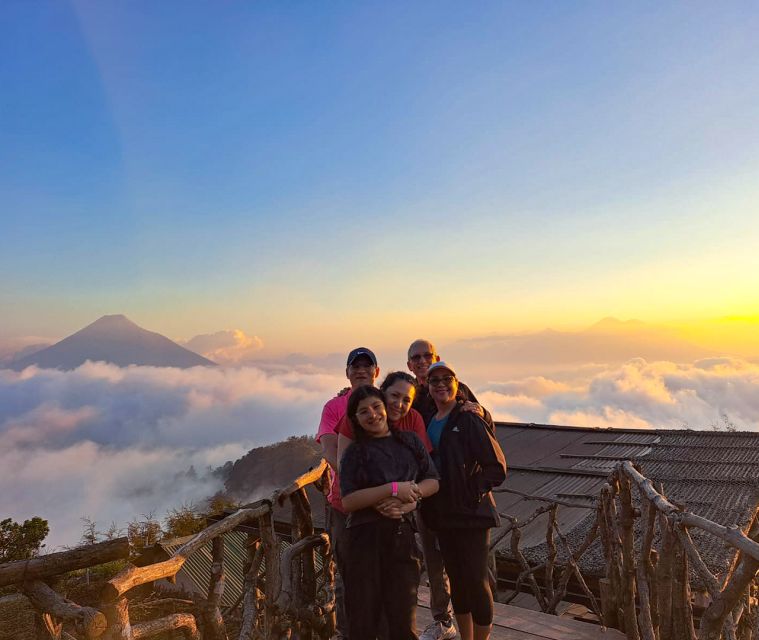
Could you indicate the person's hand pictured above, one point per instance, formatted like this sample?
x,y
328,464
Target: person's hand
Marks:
x,y
343,391
474,408
390,508
409,492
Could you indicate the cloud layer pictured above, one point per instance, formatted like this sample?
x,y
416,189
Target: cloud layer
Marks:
x,y
711,393
230,347
113,443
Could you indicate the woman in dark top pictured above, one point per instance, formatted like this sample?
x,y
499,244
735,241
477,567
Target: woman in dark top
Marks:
x,y
381,558
470,462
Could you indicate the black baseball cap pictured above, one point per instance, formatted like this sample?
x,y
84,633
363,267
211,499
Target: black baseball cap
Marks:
x,y
361,351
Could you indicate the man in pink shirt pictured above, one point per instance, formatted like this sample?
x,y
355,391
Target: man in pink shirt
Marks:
x,y
361,369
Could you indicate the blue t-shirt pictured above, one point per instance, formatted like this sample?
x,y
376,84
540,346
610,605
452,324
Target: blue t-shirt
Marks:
x,y
435,430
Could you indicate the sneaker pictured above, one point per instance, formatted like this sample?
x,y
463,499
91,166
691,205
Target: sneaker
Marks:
x,y
437,630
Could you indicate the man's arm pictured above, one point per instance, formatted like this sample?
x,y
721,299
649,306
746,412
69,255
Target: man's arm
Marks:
x,y
343,442
328,442
326,435
472,404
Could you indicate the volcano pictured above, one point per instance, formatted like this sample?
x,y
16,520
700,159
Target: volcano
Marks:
x,y
115,339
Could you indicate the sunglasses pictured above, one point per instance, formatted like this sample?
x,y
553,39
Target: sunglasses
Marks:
x,y
438,380
422,356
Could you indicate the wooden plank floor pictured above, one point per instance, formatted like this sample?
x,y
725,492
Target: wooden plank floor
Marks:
x,y
515,623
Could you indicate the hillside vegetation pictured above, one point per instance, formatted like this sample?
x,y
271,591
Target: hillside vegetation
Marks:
x,y
266,468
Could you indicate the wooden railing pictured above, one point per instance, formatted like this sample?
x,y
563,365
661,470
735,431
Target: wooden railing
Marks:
x,y
647,590
548,581
655,570
294,595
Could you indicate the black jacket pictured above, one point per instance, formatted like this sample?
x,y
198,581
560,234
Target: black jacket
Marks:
x,y
425,405
471,463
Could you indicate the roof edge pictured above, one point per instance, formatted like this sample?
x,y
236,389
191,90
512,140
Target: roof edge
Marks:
x,y
566,427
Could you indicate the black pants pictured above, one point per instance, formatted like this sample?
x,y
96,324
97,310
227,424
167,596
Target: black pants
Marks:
x,y
382,565
465,554
337,534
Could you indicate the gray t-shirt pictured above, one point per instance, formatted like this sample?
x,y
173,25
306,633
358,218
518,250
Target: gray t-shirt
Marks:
x,y
377,461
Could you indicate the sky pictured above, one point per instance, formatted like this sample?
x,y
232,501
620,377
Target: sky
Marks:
x,y
562,195
320,175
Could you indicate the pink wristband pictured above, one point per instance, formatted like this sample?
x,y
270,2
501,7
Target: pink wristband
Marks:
x,y
395,490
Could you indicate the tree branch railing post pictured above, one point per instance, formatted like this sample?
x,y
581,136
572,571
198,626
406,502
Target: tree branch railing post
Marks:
x,y
657,582
650,561
553,589
309,605
650,556
213,623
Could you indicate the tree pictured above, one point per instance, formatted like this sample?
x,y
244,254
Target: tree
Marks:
x,y
144,533
724,424
183,521
22,541
112,532
89,531
218,503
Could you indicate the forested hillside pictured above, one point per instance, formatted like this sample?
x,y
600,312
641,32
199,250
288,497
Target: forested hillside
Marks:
x,y
265,468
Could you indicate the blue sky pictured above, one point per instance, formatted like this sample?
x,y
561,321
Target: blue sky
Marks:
x,y
323,172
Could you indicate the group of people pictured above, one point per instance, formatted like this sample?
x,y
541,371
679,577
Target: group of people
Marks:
x,y
416,455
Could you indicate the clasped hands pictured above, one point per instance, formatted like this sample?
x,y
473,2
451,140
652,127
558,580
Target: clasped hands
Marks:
x,y
394,507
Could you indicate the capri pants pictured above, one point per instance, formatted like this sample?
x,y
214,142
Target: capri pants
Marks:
x,y
465,554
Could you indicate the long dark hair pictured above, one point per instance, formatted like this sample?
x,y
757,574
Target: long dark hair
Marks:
x,y
360,435
362,393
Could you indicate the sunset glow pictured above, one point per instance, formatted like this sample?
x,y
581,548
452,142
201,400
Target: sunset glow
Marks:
x,y
322,176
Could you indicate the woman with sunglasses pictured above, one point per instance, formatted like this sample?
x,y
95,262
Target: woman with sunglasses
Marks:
x,y
381,560
471,463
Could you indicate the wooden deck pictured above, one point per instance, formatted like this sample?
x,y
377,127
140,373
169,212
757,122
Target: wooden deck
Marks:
x,y
515,623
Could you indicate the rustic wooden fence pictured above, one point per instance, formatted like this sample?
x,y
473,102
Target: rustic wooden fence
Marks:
x,y
650,556
656,569
293,598
548,581
651,562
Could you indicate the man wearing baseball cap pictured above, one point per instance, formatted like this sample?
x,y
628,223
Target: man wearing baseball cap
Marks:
x,y
361,368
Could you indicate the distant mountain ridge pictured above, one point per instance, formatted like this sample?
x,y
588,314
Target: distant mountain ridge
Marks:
x,y
114,339
608,340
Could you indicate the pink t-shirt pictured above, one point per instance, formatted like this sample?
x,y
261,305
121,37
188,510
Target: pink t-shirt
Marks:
x,y
332,413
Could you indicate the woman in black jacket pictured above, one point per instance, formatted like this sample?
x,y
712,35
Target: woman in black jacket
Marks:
x,y
470,462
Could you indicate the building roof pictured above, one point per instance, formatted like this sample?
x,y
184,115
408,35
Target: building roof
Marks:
x,y
195,573
196,570
712,474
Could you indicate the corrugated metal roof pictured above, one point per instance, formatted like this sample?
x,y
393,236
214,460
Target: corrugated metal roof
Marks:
x,y
197,568
531,446
664,470
712,439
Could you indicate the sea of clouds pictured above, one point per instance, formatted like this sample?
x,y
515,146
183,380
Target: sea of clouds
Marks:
x,y
115,443
714,393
